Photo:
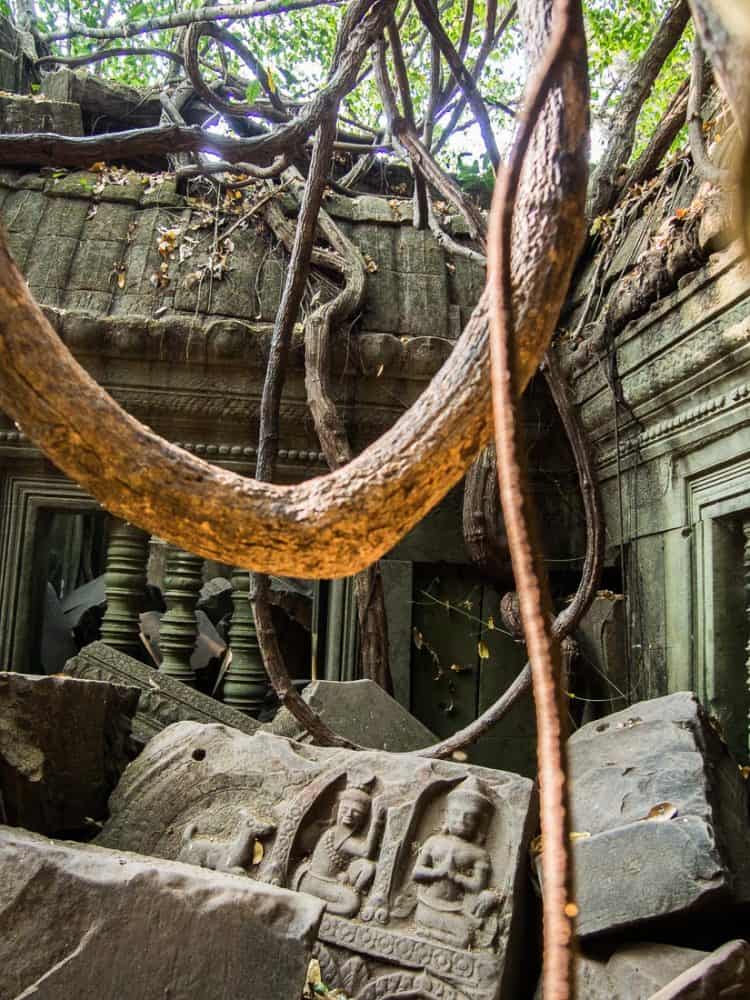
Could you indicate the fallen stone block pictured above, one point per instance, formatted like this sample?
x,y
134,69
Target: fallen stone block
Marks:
x,y
63,745
27,114
723,973
422,864
360,711
163,699
633,972
660,812
84,922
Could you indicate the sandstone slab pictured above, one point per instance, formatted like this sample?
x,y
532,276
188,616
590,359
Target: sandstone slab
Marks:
x,y
64,743
722,974
361,711
422,864
163,700
633,972
84,922
662,816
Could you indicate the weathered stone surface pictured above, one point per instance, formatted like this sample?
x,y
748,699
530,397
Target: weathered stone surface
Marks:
x,y
633,972
163,700
28,114
63,745
664,812
86,922
724,973
360,711
408,291
422,863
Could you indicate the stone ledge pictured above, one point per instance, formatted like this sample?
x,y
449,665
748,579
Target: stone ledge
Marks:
x,y
224,341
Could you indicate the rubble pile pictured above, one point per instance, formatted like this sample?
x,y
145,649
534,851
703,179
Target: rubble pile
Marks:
x,y
227,859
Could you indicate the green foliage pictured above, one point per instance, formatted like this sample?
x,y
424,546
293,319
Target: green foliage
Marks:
x,y
619,32
296,48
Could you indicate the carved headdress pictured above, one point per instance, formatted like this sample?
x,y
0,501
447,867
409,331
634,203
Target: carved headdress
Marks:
x,y
471,792
358,789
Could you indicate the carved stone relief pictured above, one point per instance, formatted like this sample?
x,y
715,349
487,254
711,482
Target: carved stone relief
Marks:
x,y
419,862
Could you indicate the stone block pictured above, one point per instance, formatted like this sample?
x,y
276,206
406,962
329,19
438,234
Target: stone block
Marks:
x,y
23,210
94,264
163,700
80,921
723,973
361,711
381,838
633,972
662,811
63,745
29,114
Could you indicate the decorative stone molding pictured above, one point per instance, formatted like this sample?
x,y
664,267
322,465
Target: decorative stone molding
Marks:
x,y
291,456
163,700
663,432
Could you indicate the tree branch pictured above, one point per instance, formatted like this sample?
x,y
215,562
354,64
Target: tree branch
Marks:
x,y
605,180
660,142
431,20
229,12
565,56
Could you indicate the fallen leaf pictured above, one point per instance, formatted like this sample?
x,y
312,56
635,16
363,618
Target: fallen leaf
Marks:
x,y
661,812
313,972
257,852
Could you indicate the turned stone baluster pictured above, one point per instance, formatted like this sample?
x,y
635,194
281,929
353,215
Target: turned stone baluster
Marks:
x,y
746,569
245,684
125,587
178,630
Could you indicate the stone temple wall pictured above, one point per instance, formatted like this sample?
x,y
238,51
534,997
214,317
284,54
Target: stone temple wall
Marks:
x,y
666,404
119,265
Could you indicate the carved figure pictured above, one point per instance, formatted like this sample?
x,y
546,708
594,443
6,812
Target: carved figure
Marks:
x,y
453,870
233,856
341,868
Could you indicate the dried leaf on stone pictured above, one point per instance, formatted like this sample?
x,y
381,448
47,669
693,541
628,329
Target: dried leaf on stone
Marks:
x,y
258,852
118,273
661,812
